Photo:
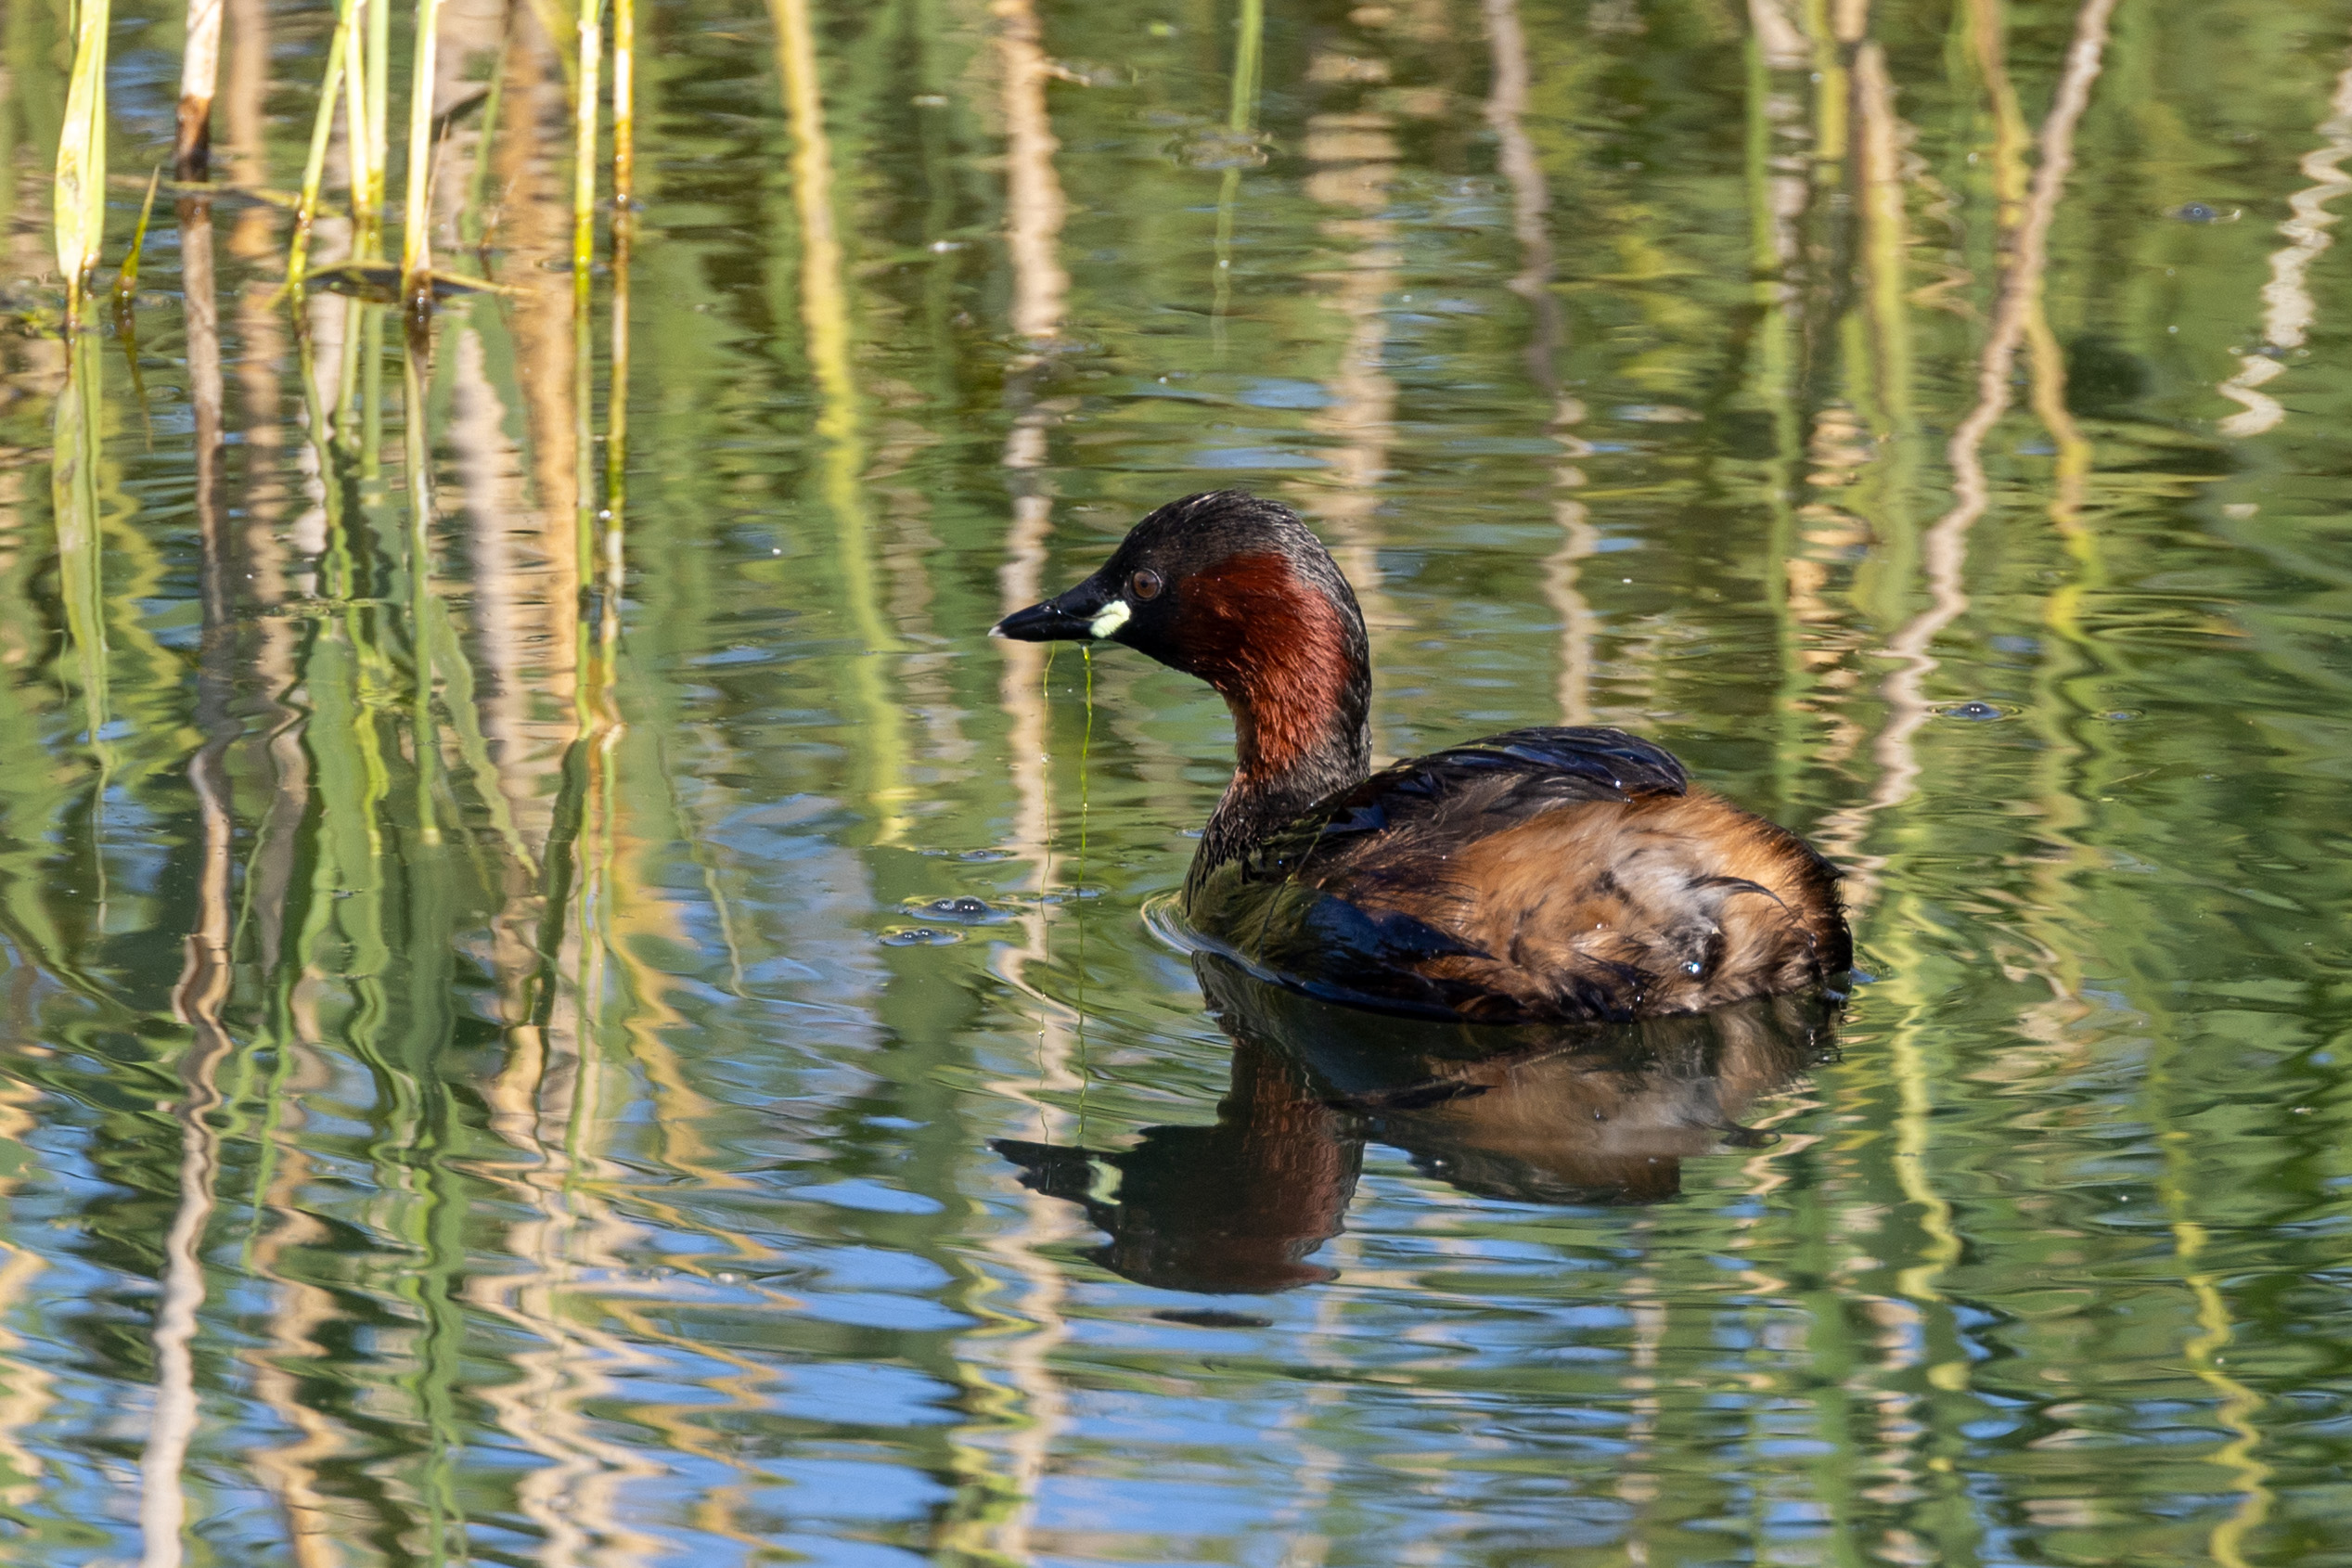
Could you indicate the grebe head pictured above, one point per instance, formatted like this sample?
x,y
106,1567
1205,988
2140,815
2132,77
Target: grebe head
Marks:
x,y
1236,590
1214,585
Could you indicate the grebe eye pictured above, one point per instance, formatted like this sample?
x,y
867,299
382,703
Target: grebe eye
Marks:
x,y
1145,583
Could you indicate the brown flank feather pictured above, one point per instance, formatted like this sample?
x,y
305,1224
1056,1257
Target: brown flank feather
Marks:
x,y
1663,904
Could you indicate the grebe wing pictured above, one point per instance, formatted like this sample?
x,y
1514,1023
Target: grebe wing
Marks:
x,y
1481,787
1308,903
1558,873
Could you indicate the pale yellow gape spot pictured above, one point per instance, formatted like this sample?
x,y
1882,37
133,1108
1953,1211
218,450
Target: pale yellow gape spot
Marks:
x,y
1113,616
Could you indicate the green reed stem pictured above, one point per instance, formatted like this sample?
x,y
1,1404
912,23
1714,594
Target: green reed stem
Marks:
x,y
624,162
322,131
584,149
379,120
415,233
1248,51
584,214
358,146
80,191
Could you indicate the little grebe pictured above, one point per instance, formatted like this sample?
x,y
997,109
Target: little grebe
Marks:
x,y
1540,874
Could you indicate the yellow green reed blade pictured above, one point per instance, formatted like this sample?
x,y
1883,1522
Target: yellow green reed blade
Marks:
x,y
80,191
126,279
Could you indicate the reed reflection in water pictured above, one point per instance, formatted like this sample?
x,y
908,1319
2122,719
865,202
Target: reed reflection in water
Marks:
x,y
563,1005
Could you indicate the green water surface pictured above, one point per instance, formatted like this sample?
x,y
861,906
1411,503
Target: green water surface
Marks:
x,y
487,1072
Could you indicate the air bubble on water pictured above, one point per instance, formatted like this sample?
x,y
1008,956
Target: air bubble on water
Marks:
x,y
919,936
962,909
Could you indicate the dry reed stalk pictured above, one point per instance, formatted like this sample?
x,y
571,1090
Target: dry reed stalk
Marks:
x,y
199,74
415,236
80,192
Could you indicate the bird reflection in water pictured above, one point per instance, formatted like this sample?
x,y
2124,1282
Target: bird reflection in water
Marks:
x,y
1590,1115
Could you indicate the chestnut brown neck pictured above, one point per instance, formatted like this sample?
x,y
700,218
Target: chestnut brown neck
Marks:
x,y
1291,662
